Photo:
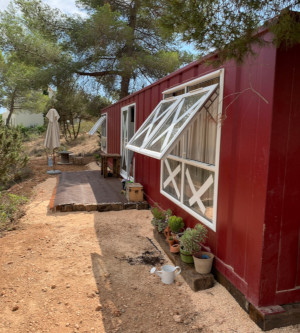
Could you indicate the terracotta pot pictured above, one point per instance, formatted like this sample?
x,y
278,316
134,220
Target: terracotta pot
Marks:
x,y
171,242
167,232
203,266
186,256
175,248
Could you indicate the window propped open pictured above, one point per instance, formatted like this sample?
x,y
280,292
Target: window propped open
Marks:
x,y
162,129
97,125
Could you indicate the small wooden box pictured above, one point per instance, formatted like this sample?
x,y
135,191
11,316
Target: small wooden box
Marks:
x,y
134,192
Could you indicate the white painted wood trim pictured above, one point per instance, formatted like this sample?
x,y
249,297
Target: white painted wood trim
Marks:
x,y
193,82
126,108
105,115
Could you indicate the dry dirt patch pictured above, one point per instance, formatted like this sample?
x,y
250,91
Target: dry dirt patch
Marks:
x,y
81,272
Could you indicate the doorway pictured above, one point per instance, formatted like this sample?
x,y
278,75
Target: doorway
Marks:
x,y
127,132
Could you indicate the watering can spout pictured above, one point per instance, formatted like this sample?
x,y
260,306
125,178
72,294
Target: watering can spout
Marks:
x,y
154,271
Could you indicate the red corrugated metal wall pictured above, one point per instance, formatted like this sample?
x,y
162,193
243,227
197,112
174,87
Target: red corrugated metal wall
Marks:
x,y
280,281
244,165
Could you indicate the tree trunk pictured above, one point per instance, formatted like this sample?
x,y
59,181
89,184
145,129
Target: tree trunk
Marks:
x,y
129,48
78,128
124,86
11,107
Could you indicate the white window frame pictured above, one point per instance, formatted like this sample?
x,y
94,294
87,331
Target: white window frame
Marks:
x,y
215,168
126,108
98,123
178,101
104,138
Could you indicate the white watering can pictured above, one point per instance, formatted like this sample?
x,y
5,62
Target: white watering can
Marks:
x,y
167,273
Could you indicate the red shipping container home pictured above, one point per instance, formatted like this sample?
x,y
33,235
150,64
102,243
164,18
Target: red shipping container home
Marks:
x,y
222,147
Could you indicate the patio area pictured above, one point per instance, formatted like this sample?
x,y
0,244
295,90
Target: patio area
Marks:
x,y
90,191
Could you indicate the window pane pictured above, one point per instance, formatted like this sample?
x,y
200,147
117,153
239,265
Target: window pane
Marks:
x,y
202,134
172,178
199,190
103,128
178,150
103,143
175,121
151,123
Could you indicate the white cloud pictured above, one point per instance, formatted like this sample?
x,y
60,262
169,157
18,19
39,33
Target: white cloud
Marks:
x,y
66,6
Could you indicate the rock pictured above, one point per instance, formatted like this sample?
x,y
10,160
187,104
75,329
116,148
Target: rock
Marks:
x,y
44,289
116,313
98,308
15,308
67,324
178,319
53,286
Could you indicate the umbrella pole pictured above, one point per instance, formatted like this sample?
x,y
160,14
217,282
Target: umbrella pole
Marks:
x,y
53,171
53,158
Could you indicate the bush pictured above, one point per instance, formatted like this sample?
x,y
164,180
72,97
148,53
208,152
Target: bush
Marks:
x,y
10,209
175,223
12,157
32,132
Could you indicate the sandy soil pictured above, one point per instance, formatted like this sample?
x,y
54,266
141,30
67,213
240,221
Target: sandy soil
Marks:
x,y
87,272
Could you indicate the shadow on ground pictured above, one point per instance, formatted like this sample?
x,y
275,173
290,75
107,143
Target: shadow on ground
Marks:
x,y
131,299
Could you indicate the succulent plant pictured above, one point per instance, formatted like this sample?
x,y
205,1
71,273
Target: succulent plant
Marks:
x,y
193,238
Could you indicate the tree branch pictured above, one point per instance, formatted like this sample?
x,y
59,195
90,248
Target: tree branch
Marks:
x,y
103,73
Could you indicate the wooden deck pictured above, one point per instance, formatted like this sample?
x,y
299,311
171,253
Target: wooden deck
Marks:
x,y
90,191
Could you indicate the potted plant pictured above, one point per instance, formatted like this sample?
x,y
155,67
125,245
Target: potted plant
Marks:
x,y
160,218
185,254
191,242
170,240
175,224
175,248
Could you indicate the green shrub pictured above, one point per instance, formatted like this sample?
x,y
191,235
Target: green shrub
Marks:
x,y
32,132
175,223
10,209
12,157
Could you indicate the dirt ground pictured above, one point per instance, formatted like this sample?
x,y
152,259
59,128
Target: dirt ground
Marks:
x,y
89,272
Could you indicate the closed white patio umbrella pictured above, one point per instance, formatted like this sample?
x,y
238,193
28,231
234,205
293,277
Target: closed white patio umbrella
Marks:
x,y
52,136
